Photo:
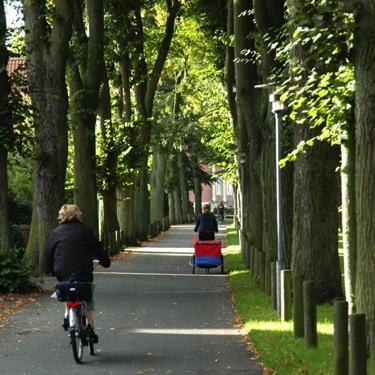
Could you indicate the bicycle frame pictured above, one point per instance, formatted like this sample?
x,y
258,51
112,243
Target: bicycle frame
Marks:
x,y
73,310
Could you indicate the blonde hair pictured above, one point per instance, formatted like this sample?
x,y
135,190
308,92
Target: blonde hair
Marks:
x,y
69,212
206,208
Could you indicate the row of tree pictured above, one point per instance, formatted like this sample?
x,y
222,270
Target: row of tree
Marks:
x,y
106,106
319,56
152,73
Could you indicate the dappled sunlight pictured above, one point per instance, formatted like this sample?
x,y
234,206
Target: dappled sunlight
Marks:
x,y
238,272
278,326
163,251
114,273
190,331
325,328
263,325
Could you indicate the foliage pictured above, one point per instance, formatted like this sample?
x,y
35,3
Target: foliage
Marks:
x,y
324,100
15,273
191,101
273,340
18,136
16,44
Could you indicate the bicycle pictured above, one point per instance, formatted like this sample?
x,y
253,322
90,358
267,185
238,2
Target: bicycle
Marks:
x,y
74,295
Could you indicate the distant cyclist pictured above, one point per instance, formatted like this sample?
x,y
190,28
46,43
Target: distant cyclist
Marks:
x,y
70,252
206,224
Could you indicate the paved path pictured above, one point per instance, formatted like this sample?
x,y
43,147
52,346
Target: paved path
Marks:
x,y
153,317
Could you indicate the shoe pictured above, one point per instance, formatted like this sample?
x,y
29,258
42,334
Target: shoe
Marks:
x,y
91,335
66,324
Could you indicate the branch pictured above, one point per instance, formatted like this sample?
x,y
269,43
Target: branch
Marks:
x,y
61,32
173,8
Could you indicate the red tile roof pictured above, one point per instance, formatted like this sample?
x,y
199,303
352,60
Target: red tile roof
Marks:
x,y
14,64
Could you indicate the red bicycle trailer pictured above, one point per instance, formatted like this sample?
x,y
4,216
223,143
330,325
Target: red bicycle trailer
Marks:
x,y
207,254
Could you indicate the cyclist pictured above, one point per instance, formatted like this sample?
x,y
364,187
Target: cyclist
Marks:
x,y
70,252
206,224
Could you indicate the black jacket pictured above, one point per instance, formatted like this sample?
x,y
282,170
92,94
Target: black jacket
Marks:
x,y
71,249
206,223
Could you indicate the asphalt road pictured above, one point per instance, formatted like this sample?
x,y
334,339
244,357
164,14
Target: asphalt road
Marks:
x,y
152,317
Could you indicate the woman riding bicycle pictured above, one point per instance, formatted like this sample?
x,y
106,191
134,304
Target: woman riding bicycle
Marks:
x,y
70,252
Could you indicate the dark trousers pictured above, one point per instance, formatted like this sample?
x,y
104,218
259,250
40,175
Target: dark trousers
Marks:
x,y
206,236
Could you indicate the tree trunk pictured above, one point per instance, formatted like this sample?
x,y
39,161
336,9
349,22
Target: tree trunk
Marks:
x,y
183,188
349,215
4,218
230,80
125,213
177,205
315,223
269,17
247,105
126,195
171,210
197,187
364,164
315,201
5,129
85,80
46,63
142,203
287,211
157,182
109,179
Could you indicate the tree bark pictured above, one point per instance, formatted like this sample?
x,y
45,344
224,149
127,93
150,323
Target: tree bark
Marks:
x,y
46,63
171,211
269,17
109,178
5,131
5,241
364,163
247,117
157,185
84,80
349,215
125,213
177,205
126,195
183,188
229,78
315,201
197,187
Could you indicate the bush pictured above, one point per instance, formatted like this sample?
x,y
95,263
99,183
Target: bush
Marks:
x,y
16,274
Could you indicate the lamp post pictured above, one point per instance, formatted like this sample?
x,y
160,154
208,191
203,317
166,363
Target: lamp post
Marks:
x,y
277,109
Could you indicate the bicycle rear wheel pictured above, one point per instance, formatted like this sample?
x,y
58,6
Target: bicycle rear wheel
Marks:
x,y
76,337
85,338
77,346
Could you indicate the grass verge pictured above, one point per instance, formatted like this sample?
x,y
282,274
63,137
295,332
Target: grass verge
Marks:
x,y
277,349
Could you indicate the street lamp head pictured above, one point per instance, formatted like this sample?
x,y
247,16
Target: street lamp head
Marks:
x,y
277,103
277,106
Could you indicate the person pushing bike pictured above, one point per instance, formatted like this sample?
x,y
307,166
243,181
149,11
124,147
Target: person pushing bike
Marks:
x,y
70,252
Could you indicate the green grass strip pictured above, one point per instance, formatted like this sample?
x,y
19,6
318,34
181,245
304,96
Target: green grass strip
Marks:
x,y
273,340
